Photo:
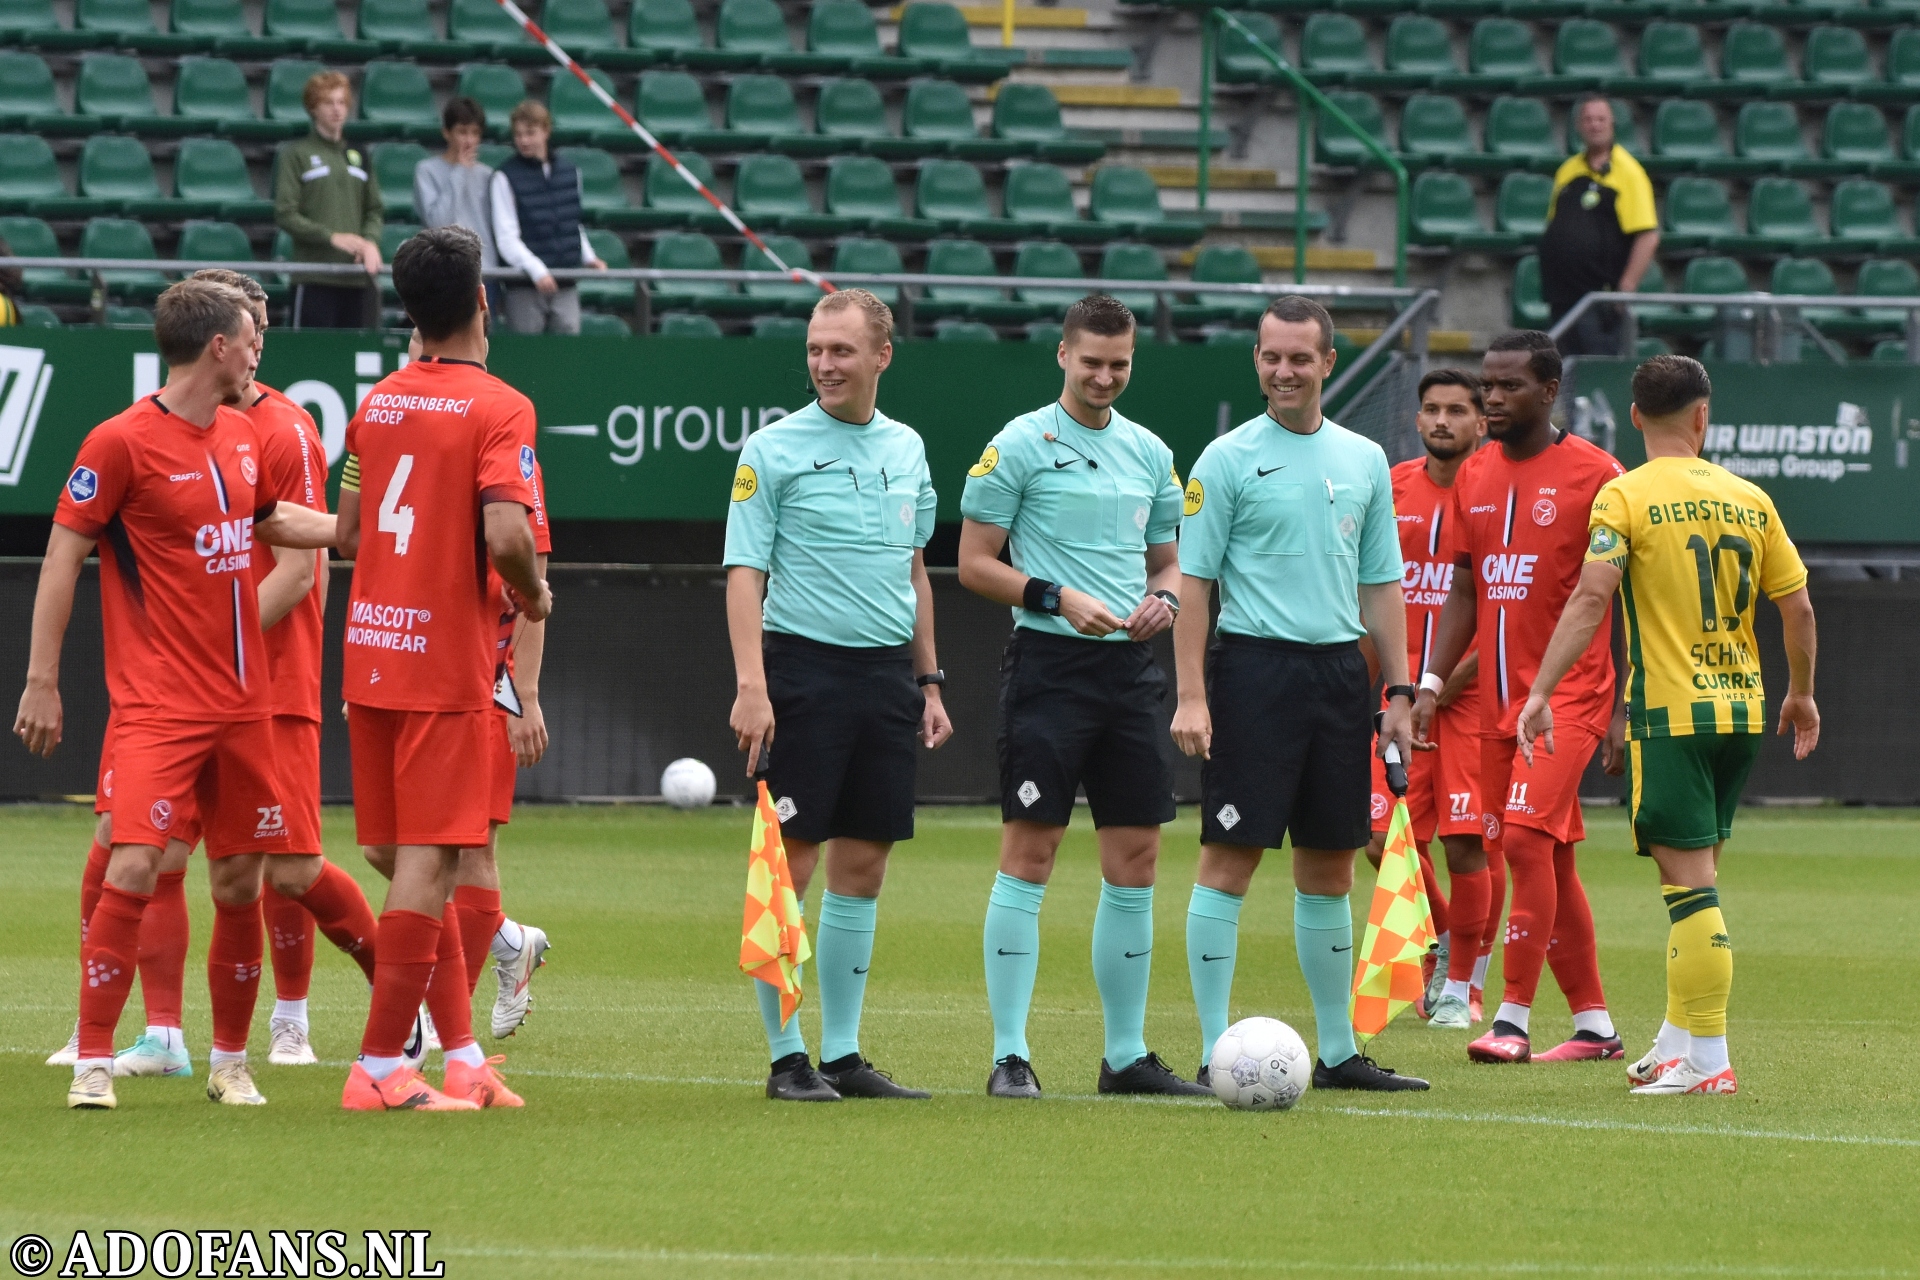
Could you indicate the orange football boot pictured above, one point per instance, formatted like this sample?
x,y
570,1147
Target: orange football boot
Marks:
x,y
481,1085
404,1090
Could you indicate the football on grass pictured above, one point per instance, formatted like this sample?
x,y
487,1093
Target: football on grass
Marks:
x,y
1260,1064
687,784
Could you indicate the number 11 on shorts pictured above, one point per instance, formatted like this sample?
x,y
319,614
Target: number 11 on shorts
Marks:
x,y
394,518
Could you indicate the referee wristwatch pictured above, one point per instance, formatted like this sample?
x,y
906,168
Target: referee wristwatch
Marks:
x,y
932,677
1173,601
1406,691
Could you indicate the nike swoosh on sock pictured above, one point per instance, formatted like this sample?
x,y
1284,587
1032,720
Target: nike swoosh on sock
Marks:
x,y
1003,951
1135,955
1206,958
1340,949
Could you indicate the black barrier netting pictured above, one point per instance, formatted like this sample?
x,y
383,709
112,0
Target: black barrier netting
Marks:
x,y
638,673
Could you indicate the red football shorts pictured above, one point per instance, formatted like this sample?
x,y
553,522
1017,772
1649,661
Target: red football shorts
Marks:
x,y
186,820
167,773
504,766
421,777
1443,787
1544,795
296,760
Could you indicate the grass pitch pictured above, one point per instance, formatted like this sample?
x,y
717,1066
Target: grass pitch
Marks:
x,y
646,1147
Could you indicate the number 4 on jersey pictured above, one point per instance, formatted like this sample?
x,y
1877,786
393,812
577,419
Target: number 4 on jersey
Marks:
x,y
394,518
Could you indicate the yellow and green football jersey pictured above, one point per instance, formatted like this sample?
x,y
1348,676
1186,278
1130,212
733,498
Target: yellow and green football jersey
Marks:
x,y
1696,546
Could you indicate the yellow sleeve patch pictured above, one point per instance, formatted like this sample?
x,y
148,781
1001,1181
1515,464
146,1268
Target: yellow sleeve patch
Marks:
x,y
745,483
988,461
1175,473
1196,496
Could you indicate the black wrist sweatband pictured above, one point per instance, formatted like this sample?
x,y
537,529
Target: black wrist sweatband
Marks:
x,y
1031,597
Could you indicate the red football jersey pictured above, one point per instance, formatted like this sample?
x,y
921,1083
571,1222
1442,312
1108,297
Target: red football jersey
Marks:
x,y
1523,530
1423,512
436,441
297,462
172,507
542,543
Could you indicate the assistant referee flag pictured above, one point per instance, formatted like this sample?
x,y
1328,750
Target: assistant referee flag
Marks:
x,y
773,934
1399,934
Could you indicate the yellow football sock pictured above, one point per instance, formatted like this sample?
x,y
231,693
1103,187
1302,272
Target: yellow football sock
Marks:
x,y
1699,961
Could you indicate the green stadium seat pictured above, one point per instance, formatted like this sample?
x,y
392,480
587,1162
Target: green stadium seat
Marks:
x,y
1529,309
939,115
1128,199
761,107
597,324
951,195
1234,57
1243,338
1433,129
672,105
202,241
396,101
35,316
494,154
1754,56
666,29
861,192
1889,351
1419,50
115,88
688,324
116,19
205,23
1223,264
310,25
1686,135
122,238
1864,214
398,26
1444,209
754,32
602,197
780,328
770,189
1518,132
1501,55
584,28
1877,278
578,115
670,201
1128,260
936,34
1807,276
1708,275
1856,136
392,236
1780,219
28,20
485,24
1334,145
1333,48
789,296
1696,212
497,88
1521,204
687,251
30,180
32,238
963,258
210,176
213,91
964,331
1047,259
1837,57
1586,54
1671,55
286,85
117,169
28,99
1042,195
859,256
393,167
1903,68
1045,333
1029,114
850,112
844,29
1766,137
612,295
123,317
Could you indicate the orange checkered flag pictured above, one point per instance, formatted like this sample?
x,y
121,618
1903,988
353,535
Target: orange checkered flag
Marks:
x,y
1399,934
773,934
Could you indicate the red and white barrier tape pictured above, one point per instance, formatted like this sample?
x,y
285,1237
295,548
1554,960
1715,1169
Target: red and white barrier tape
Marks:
x,y
687,175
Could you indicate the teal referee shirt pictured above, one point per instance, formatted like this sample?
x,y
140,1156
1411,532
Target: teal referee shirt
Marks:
x,y
1081,509
1291,526
832,513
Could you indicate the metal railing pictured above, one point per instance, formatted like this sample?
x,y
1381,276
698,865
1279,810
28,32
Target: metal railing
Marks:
x,y
1308,99
1765,327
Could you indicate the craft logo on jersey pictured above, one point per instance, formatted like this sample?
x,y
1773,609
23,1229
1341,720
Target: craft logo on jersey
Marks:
x,y
526,462
1544,512
249,470
1507,575
162,815
83,484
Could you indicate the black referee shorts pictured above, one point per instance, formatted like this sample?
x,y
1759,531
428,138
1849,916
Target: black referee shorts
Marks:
x,y
1076,712
1292,733
846,739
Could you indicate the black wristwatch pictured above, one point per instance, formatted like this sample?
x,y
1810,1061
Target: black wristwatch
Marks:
x,y
1406,691
1173,601
932,677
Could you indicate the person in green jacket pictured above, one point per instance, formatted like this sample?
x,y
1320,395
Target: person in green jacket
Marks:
x,y
325,197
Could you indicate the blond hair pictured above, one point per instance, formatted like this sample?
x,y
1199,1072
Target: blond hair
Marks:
x,y
320,84
533,113
879,315
189,314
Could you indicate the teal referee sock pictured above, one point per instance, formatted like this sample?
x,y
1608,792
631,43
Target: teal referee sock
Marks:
x,y
1122,963
842,954
1011,943
781,1041
1213,938
1323,939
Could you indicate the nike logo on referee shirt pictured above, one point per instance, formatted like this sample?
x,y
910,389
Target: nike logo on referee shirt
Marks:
x,y
829,462
1270,470
1069,462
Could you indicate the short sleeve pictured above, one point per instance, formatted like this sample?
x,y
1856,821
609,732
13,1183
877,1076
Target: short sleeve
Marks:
x,y
1610,527
1380,537
542,531
1633,197
507,463
753,513
1207,509
97,485
926,508
1163,522
1782,572
995,484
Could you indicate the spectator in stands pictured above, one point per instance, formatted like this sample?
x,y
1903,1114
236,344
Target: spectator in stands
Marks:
x,y
1601,234
450,189
325,197
536,226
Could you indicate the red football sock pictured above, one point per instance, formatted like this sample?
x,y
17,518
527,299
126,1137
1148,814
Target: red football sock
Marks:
x,y
163,950
1470,892
90,881
340,910
480,917
291,930
1571,950
407,943
1436,900
233,972
1535,901
1496,899
449,999
106,967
